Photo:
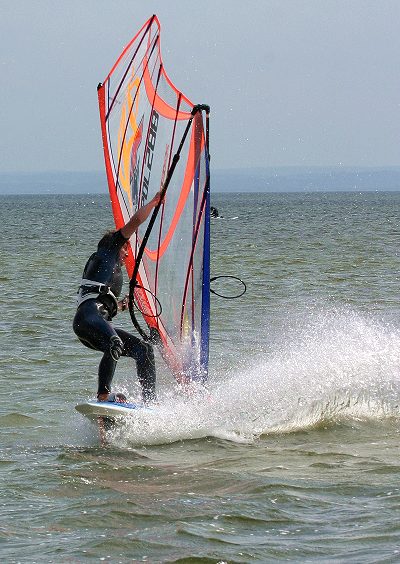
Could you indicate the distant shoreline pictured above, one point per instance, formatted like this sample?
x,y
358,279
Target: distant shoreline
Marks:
x,y
266,180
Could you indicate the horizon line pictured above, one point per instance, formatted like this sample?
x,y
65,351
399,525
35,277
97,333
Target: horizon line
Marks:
x,y
221,169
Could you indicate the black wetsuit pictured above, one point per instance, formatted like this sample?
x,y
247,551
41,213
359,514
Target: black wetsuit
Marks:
x,y
93,319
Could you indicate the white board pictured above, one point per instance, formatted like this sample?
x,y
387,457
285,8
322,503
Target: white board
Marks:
x,y
94,409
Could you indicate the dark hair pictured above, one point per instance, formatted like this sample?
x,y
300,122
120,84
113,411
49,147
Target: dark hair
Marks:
x,y
106,239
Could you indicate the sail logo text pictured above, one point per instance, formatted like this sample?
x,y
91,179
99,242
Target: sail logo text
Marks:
x,y
135,164
151,143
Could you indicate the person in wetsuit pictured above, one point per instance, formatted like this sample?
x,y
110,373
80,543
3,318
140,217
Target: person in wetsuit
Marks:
x,y
97,305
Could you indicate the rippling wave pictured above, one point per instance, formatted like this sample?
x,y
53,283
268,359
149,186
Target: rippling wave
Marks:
x,y
292,452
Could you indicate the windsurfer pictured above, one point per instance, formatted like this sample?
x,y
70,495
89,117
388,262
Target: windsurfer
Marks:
x,y
98,304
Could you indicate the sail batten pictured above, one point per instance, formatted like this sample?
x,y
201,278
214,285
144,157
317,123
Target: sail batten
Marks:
x,y
155,138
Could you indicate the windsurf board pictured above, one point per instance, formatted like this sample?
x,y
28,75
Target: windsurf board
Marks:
x,y
111,410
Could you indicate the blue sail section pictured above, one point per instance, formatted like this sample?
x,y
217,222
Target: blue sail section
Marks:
x,y
205,313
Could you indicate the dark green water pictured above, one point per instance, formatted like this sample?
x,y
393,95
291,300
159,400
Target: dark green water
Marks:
x,y
295,454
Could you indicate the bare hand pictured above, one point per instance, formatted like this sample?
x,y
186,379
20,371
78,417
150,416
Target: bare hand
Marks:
x,y
123,304
158,198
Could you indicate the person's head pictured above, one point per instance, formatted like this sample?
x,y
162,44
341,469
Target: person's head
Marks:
x,y
106,240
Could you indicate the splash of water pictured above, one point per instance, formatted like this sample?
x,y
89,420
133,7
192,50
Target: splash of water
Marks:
x,y
334,365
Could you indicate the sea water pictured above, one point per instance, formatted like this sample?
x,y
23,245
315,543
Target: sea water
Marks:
x,y
293,453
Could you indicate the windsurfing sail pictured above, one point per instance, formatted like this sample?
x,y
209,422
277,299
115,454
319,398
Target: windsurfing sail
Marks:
x,y
155,138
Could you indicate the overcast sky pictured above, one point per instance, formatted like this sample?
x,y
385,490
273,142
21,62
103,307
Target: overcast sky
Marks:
x,y
289,82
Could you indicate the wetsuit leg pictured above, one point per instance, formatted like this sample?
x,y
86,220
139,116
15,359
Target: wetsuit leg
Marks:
x,y
95,332
143,354
106,373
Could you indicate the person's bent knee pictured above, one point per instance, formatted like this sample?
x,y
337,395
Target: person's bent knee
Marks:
x,y
116,347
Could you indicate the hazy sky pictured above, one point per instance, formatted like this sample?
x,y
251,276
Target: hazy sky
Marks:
x,y
289,82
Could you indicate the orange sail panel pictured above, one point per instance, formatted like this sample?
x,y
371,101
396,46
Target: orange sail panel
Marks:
x,y
150,129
